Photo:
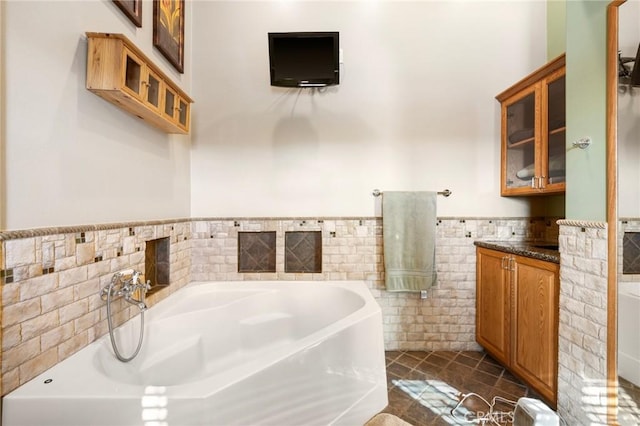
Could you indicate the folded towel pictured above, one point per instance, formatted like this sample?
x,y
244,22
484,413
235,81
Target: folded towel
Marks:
x,y
409,233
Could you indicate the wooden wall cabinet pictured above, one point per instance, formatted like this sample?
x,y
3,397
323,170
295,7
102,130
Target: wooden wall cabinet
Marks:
x,y
120,73
533,133
517,316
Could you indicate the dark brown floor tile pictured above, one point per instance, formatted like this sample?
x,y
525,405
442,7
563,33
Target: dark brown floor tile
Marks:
x,y
418,414
391,379
512,388
398,370
473,354
399,400
429,368
465,360
490,368
447,354
485,378
390,356
424,393
418,354
408,361
436,359
506,375
461,369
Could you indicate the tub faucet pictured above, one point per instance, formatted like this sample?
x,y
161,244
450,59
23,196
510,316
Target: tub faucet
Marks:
x,y
127,288
131,286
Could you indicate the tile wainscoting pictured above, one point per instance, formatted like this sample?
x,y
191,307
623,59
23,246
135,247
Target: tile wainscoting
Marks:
x,y
51,277
582,342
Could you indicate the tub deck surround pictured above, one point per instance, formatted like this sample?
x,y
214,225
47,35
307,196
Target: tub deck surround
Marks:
x,y
542,250
269,353
51,277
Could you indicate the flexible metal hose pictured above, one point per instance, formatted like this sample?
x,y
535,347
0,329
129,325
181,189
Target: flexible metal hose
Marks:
x,y
110,323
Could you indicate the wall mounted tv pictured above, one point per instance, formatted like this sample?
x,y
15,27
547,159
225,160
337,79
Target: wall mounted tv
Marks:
x,y
304,59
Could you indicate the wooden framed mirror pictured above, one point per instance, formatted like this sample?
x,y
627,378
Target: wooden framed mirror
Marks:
x,y
623,214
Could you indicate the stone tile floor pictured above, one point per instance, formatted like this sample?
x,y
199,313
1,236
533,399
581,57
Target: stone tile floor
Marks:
x,y
628,403
425,386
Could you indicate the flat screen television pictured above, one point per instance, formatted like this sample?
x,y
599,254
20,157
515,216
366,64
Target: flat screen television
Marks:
x,y
304,59
635,72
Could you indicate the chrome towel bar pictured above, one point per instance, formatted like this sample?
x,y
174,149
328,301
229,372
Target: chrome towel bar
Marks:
x,y
446,193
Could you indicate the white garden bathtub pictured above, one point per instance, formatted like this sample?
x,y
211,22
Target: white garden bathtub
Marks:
x,y
230,353
628,331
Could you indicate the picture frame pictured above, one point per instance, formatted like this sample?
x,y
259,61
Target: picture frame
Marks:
x,y
168,31
132,9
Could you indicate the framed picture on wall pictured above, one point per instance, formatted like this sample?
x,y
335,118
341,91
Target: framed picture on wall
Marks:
x,y
168,30
133,10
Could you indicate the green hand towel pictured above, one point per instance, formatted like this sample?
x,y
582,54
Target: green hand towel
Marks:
x,y
409,234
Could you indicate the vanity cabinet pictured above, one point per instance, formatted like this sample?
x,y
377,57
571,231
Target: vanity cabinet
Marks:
x,y
533,128
493,304
120,73
517,316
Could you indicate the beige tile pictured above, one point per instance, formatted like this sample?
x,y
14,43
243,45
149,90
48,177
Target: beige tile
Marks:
x,y
15,356
37,365
56,336
19,252
73,310
73,345
39,325
38,286
10,380
57,299
11,337
22,311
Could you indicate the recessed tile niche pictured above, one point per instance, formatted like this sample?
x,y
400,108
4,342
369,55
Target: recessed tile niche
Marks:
x,y
303,251
157,263
631,253
257,251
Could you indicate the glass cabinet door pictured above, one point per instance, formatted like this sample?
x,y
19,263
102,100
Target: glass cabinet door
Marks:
x,y
169,103
183,112
133,74
556,132
520,141
153,91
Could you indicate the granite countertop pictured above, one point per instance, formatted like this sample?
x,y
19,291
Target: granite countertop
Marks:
x,y
542,250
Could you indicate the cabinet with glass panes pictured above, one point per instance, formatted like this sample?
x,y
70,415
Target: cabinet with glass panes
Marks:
x,y
120,73
533,133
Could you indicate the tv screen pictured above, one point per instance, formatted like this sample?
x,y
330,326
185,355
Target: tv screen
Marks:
x,y
635,73
304,59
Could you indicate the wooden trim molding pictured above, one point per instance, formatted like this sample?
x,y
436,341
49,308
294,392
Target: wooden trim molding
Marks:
x,y
612,210
536,75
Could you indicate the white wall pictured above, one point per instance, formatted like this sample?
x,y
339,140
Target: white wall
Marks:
x,y
71,157
629,117
415,109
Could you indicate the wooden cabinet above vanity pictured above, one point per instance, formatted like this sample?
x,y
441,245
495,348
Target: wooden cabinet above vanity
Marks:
x,y
533,133
121,73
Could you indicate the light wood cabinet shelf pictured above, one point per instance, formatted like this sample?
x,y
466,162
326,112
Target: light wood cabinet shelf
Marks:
x,y
533,147
517,316
122,74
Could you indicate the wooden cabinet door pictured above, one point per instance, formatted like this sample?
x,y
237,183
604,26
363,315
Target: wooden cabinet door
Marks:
x,y
535,322
520,142
553,154
493,303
